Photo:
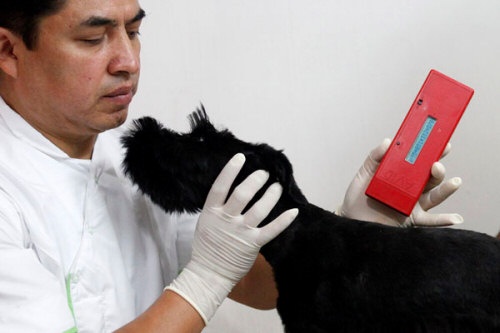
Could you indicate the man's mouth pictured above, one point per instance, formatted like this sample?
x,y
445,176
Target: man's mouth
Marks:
x,y
121,96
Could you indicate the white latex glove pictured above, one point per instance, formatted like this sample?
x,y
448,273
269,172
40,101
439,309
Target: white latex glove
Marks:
x,y
226,243
358,205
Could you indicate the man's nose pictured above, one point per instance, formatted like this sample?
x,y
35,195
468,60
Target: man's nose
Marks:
x,y
125,60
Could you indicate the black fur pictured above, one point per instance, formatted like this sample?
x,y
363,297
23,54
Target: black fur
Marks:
x,y
333,274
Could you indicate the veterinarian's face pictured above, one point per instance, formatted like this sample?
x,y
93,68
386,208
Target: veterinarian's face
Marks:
x,y
84,70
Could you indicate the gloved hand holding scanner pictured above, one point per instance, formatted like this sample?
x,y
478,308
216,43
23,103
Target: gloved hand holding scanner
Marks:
x,y
410,161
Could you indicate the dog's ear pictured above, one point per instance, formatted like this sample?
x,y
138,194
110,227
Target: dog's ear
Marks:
x,y
198,120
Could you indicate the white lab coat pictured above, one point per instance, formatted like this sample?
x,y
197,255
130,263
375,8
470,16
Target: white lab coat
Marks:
x,y
77,234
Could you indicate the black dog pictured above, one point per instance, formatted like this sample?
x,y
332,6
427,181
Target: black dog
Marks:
x,y
333,274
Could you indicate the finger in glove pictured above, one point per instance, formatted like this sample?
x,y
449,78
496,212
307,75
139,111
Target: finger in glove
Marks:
x,y
437,195
245,191
220,188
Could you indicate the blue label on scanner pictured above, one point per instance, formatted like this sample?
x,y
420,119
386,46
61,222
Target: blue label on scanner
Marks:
x,y
422,137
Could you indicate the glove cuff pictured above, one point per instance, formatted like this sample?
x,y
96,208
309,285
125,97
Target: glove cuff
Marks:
x,y
202,288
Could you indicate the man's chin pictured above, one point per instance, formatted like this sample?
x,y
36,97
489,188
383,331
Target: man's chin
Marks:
x,y
113,119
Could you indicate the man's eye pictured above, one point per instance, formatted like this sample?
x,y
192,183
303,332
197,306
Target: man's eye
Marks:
x,y
133,34
92,41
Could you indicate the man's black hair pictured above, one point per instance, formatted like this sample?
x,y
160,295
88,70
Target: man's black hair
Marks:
x,y
23,17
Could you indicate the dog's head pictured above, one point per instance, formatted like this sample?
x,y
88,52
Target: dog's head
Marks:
x,y
177,170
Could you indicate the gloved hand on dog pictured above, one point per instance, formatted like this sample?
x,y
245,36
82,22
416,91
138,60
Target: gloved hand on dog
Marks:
x,y
226,243
358,206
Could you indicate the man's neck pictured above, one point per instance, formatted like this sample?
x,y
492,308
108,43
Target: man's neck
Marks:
x,y
80,149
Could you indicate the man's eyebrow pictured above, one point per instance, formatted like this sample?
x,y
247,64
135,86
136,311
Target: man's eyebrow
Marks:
x,y
99,21
140,15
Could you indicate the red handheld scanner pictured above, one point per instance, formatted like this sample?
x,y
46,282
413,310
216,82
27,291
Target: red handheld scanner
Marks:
x,y
405,169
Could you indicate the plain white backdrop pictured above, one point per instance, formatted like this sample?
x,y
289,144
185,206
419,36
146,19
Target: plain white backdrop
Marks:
x,y
326,80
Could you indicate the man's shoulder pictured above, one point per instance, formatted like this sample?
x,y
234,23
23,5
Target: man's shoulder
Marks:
x,y
15,161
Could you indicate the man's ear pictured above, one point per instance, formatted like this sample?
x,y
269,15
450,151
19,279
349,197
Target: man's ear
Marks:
x,y
8,58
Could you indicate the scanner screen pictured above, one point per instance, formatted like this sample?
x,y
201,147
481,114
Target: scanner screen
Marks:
x,y
422,137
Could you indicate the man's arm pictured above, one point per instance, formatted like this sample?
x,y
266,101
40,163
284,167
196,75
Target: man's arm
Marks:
x,y
258,288
32,298
170,313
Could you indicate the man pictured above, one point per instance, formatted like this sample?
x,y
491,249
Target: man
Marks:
x,y
80,248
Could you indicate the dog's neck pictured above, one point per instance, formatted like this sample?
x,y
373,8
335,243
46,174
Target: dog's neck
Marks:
x,y
277,248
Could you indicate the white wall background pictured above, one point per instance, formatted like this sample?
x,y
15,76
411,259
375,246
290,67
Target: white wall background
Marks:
x,y
327,80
